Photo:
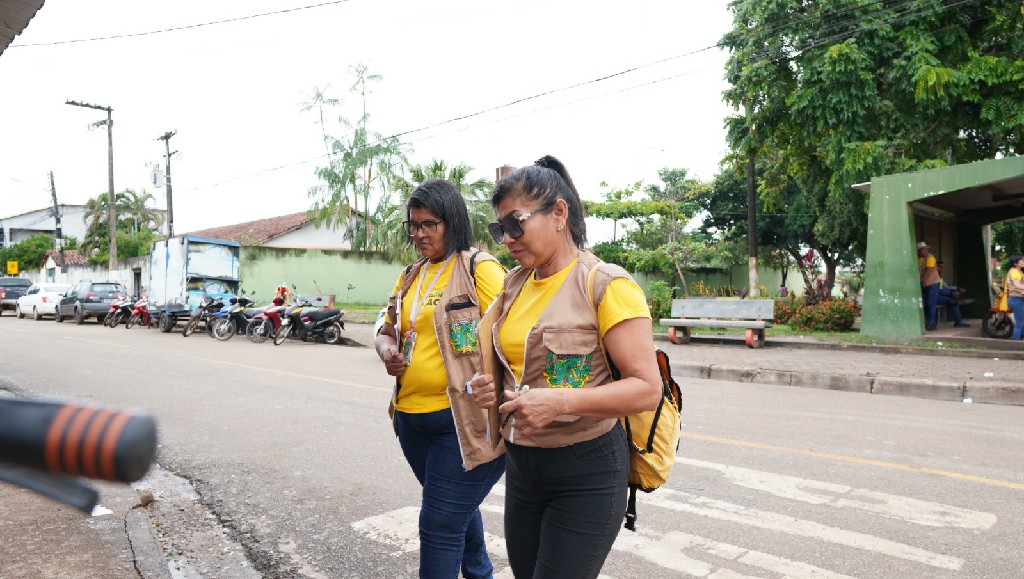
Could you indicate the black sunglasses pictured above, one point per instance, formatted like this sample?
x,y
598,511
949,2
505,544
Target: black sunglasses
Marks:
x,y
512,224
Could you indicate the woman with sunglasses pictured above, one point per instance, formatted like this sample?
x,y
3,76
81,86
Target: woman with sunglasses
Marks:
x,y
556,401
429,343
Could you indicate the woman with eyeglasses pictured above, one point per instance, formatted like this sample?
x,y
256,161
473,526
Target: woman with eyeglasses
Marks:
x,y
556,402
428,342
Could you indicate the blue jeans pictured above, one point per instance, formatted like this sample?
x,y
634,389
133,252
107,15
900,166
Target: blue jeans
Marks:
x,y
945,298
930,294
565,506
1017,307
451,529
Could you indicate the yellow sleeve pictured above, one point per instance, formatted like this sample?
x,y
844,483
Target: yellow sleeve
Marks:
x,y
489,277
623,300
1016,274
931,261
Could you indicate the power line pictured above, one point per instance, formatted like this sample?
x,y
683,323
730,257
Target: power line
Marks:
x,y
774,29
180,28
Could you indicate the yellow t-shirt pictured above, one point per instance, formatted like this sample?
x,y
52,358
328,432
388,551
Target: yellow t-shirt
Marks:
x,y
923,264
425,380
1014,275
623,300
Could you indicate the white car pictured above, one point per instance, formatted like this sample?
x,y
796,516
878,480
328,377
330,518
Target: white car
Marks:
x,y
40,299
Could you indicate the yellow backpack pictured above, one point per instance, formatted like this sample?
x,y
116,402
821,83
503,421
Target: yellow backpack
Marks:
x,y
653,435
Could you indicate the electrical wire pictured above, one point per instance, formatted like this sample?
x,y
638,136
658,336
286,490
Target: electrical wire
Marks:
x,y
180,28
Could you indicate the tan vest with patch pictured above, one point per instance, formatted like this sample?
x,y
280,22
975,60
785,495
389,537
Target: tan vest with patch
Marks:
x,y
563,350
456,318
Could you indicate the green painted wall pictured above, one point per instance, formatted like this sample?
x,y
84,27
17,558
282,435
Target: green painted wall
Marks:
x,y
892,294
350,275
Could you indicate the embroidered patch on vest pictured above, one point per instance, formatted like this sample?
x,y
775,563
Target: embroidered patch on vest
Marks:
x,y
567,370
463,336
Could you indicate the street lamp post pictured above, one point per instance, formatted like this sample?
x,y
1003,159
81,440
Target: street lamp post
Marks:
x,y
111,212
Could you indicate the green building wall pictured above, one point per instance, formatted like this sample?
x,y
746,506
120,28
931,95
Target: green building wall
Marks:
x,y
351,276
892,289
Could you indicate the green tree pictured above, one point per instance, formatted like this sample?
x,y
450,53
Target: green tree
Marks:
x,y
137,225
361,165
832,93
656,241
28,252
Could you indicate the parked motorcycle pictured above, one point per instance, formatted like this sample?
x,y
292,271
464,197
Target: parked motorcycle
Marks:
x,y
236,320
208,307
307,323
997,323
139,314
120,309
265,324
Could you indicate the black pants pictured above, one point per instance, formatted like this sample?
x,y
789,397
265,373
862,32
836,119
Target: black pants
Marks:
x,y
565,506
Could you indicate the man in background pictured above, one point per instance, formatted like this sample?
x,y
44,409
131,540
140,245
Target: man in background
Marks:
x,y
929,274
949,296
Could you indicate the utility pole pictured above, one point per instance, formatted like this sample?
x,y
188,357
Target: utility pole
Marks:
x,y
56,216
111,212
166,138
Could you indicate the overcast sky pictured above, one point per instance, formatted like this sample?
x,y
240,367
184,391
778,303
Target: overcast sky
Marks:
x,y
233,92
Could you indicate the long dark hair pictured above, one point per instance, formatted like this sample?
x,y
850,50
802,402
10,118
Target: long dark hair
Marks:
x,y
545,181
443,199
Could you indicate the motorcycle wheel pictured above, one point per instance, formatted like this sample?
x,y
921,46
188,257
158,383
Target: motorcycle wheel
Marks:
x,y
281,335
997,325
256,331
190,326
112,320
223,329
134,319
332,333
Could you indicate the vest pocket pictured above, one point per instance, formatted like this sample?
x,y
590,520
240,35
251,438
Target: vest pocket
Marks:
x,y
569,358
462,316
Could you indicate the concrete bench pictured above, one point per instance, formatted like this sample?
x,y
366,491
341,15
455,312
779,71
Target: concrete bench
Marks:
x,y
754,315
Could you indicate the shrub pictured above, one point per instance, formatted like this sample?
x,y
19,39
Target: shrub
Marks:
x,y
785,310
827,316
661,299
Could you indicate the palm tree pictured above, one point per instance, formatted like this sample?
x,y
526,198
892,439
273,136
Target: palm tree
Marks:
x,y
133,210
476,193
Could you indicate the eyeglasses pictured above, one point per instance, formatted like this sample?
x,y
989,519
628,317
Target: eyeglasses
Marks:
x,y
428,227
513,225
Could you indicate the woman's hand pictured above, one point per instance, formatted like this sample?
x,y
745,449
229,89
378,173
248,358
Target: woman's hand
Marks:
x,y
393,360
534,409
482,388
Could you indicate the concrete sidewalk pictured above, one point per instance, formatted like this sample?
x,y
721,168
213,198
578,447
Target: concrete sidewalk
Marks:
x,y
988,371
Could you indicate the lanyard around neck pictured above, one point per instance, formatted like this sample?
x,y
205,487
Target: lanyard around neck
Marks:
x,y
417,302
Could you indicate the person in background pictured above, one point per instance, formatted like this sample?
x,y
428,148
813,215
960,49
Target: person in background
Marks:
x,y
929,274
428,342
553,389
1015,287
949,296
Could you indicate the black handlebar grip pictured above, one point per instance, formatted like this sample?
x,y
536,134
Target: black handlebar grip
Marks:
x,y
100,443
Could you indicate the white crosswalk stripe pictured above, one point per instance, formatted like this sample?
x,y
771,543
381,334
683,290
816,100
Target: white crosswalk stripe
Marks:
x,y
841,496
688,554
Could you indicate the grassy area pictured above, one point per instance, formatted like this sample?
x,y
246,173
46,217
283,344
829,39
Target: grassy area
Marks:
x,y
359,312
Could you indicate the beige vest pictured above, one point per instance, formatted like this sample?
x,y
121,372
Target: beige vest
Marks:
x,y
455,324
562,349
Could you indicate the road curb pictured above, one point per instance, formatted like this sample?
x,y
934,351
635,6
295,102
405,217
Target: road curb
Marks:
x,y
1004,393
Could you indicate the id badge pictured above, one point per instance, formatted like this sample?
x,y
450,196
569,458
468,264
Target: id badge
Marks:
x,y
408,343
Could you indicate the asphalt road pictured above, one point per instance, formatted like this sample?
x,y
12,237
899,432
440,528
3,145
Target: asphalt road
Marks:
x,y
288,455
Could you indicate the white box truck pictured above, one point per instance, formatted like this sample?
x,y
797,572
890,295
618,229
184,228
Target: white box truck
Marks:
x,y
182,269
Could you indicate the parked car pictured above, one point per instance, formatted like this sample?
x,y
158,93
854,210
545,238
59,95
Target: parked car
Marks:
x,y
12,288
40,300
89,299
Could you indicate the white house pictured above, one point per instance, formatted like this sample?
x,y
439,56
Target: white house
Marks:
x,y
20,227
295,231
